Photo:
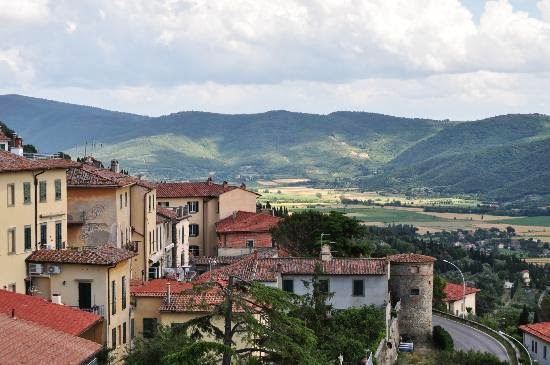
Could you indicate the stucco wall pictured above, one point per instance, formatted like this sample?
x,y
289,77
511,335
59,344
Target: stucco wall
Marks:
x,y
12,265
456,307
237,199
539,355
146,307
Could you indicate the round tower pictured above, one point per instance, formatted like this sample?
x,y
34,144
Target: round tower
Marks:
x,y
411,282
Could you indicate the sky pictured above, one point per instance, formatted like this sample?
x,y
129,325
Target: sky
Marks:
x,y
442,59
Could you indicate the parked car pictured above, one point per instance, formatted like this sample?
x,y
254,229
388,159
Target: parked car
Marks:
x,y
406,344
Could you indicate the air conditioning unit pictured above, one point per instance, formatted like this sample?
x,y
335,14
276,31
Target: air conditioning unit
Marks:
x,y
36,269
54,269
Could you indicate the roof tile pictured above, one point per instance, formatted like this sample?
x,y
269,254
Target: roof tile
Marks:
x,y
411,258
102,255
454,292
193,189
540,330
247,222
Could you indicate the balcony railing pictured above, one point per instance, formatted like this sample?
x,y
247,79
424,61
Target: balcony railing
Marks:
x,y
132,246
96,309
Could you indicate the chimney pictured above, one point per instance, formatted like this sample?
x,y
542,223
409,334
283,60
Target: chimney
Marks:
x,y
56,299
224,184
325,253
234,214
114,166
209,180
168,293
13,313
17,148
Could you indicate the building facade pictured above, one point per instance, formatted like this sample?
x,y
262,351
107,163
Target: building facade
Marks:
x,y
536,338
454,293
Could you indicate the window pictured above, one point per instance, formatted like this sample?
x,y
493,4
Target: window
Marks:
x,y
358,288
12,287
323,286
11,240
126,199
42,191
193,206
132,328
123,285
119,334
249,243
57,189
113,297
28,238
27,193
544,353
11,195
288,285
415,291
58,236
149,327
536,347
43,233
113,338
532,346
150,202
120,196
194,250
193,230
164,204
177,327
124,332
415,270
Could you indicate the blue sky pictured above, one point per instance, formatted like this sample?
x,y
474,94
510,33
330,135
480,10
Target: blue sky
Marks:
x,y
456,59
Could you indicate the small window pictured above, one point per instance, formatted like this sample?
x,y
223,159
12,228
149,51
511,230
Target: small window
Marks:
x,y
193,206
11,195
164,204
123,285
27,193
58,236
12,287
124,332
415,291
194,250
358,288
249,243
28,238
43,233
288,285
113,338
58,189
42,191
12,247
120,196
132,328
415,270
149,327
113,297
193,230
323,286
150,203
126,199
544,353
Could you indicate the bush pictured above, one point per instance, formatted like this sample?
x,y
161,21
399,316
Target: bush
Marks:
x,y
442,339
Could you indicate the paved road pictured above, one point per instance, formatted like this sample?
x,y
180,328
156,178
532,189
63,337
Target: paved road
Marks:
x,y
467,338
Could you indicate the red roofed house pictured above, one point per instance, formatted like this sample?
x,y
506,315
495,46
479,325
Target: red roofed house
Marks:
x,y
454,293
207,203
536,338
94,279
241,232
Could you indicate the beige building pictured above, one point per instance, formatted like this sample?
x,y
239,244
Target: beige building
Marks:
x,y
106,206
172,238
454,294
33,213
95,279
207,203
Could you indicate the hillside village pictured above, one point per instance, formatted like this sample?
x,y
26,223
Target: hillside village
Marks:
x,y
97,259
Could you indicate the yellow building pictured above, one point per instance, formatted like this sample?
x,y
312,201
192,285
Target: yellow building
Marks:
x,y
207,203
33,199
106,206
95,279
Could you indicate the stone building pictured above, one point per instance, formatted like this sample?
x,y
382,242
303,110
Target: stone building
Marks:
x,y
411,282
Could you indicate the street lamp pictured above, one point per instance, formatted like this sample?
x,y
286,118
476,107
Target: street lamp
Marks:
x,y
463,288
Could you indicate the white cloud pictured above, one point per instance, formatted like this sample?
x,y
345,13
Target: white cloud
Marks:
x,y
544,8
14,70
70,27
24,10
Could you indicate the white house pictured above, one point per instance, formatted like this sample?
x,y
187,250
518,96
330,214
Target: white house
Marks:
x,y
536,338
454,293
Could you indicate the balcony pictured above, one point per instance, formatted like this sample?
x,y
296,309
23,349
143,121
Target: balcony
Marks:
x,y
96,309
131,246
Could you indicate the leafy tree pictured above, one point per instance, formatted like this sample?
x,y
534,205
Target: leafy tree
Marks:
x,y
29,148
524,316
438,293
442,339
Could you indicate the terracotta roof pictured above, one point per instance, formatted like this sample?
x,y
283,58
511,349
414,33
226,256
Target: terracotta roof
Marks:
x,y
193,301
247,222
25,342
453,292
3,136
411,258
157,288
540,330
193,189
169,213
102,255
86,175
43,312
12,162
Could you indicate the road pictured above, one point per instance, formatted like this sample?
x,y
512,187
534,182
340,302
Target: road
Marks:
x,y
467,338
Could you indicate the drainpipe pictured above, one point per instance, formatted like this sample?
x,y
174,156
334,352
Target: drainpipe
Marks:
x,y
145,235
35,181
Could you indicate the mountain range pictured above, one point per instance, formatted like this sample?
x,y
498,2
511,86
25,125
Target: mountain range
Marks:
x,y
501,157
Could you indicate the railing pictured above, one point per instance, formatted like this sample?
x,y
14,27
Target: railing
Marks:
x,y
132,246
42,156
96,309
515,355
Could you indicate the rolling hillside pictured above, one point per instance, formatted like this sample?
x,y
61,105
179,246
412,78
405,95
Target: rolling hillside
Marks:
x,y
504,157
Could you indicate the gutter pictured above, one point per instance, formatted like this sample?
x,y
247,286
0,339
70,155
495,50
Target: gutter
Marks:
x,y
35,181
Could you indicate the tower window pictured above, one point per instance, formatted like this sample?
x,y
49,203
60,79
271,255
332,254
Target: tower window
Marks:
x,y
415,291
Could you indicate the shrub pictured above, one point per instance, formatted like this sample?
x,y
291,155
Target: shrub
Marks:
x,y
442,339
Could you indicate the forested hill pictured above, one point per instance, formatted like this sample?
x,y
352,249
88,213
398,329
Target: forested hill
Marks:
x,y
496,156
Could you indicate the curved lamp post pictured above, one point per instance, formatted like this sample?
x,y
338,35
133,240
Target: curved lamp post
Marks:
x,y
463,288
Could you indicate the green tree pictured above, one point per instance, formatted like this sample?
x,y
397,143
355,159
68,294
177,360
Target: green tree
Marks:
x,y
442,339
524,316
438,293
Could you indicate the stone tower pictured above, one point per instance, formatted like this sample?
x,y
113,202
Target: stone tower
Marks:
x,y
411,281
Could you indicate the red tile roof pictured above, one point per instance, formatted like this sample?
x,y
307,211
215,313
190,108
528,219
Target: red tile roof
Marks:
x,y
411,258
193,301
43,312
193,189
157,288
25,342
453,292
169,213
247,222
102,255
540,330
12,162
86,175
